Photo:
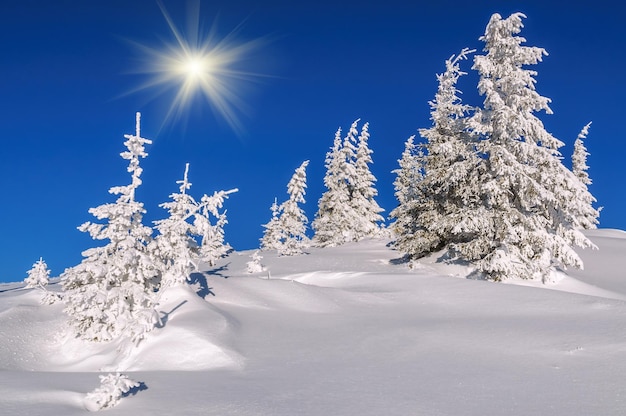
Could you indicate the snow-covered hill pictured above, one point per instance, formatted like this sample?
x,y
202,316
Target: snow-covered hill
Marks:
x,y
342,331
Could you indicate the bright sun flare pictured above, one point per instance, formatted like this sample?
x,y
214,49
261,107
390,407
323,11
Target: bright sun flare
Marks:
x,y
201,65
194,68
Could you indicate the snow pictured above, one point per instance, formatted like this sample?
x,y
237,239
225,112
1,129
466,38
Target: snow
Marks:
x,y
348,330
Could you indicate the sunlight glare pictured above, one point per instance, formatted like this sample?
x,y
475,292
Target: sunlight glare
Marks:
x,y
200,64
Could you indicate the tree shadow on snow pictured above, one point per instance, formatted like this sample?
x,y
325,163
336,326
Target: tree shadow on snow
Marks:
x,y
13,289
133,391
200,284
165,316
400,260
218,271
199,281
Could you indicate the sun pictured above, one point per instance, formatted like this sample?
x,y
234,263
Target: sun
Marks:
x,y
201,65
194,68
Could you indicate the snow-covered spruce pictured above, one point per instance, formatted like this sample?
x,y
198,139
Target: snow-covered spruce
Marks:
x,y
589,216
347,211
494,190
286,231
38,275
111,292
333,215
212,243
273,234
293,220
529,208
112,388
175,247
407,186
438,180
254,265
364,191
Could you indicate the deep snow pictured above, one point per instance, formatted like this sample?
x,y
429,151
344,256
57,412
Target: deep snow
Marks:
x,y
343,331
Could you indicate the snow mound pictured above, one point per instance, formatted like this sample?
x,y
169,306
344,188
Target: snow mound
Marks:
x,y
272,294
194,336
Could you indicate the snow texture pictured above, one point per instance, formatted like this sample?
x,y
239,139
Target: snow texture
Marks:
x,y
350,330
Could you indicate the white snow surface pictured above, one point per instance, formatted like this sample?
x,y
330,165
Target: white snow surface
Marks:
x,y
350,330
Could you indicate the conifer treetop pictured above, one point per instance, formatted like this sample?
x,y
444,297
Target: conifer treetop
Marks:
x,y
135,145
579,157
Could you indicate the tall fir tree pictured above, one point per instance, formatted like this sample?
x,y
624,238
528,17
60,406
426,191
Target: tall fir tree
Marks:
x,y
589,215
347,211
528,210
494,190
111,292
579,157
332,216
293,221
409,175
364,191
437,185
408,192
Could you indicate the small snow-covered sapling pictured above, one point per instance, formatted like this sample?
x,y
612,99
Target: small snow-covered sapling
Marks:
x,y
112,389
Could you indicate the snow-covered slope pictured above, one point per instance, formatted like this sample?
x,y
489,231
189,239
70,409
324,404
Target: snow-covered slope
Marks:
x,y
343,331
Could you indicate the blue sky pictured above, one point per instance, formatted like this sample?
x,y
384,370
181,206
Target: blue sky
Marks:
x,y
68,69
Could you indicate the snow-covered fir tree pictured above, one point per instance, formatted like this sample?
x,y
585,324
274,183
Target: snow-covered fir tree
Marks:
x,y
254,265
113,387
579,157
364,191
333,213
437,184
589,215
526,218
212,244
407,186
273,234
188,235
292,220
347,211
111,292
494,190
38,276
410,173
175,246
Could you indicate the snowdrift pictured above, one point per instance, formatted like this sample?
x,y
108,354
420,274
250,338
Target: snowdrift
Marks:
x,y
350,330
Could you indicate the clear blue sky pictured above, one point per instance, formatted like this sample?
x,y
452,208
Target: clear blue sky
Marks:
x,y
67,66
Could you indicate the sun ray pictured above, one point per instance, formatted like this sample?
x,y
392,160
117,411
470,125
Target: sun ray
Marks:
x,y
200,65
